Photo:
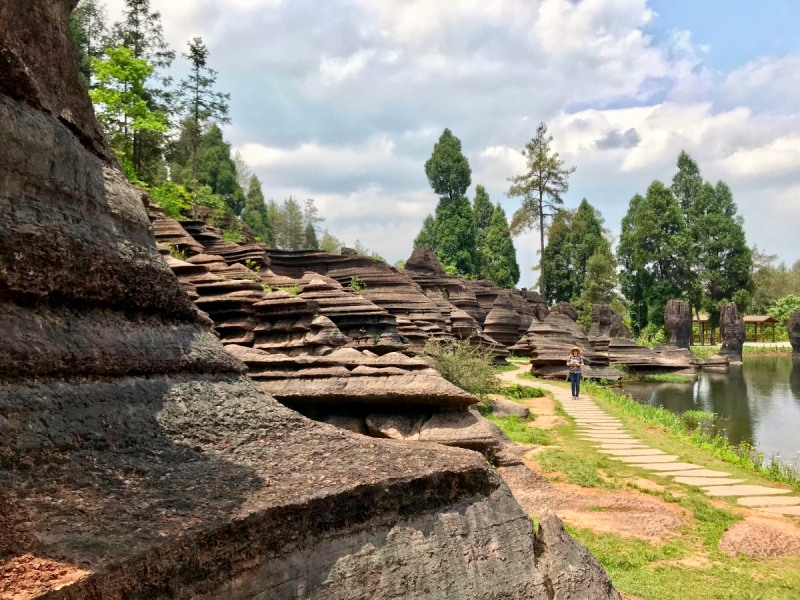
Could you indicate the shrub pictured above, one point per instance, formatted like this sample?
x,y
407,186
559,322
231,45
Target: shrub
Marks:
x,y
518,392
469,367
173,198
695,418
357,283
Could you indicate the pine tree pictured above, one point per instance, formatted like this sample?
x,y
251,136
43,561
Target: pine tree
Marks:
x,y
448,169
499,255
201,104
541,189
426,236
311,238
289,230
687,181
87,24
483,209
256,214
311,215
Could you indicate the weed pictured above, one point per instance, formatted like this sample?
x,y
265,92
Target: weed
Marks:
x,y
518,431
462,364
293,289
578,471
376,337
695,418
357,283
518,392
176,253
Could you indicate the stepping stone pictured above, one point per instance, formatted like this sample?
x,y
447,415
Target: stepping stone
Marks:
x,y
620,446
601,430
793,511
769,501
641,452
675,468
744,490
642,460
703,481
609,439
700,472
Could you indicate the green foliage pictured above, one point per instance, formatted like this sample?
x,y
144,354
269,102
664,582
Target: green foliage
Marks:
x,y
577,471
288,224
695,418
253,270
357,283
464,365
519,392
426,236
540,189
783,308
176,253
329,243
233,233
498,255
311,238
454,232
400,264
771,281
518,431
206,197
447,169
173,198
88,28
293,289
482,209
120,99
256,214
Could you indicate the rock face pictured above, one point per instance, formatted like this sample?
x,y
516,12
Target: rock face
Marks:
x,y
625,352
794,333
502,322
606,324
732,330
678,322
566,309
537,303
136,458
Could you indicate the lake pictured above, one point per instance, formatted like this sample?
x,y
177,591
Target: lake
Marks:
x,y
757,402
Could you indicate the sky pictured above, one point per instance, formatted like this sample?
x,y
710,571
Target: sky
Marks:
x,y
343,100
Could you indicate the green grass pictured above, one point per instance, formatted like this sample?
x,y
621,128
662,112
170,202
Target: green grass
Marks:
x,y
505,368
518,431
658,378
703,352
695,418
518,392
580,471
518,358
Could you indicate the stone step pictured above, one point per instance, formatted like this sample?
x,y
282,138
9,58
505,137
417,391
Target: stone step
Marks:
x,y
674,468
635,452
642,460
706,481
698,473
769,501
743,490
793,511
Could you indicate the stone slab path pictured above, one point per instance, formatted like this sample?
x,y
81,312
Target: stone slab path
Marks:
x,y
595,425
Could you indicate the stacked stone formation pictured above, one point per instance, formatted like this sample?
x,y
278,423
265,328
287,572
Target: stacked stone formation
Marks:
x,y
464,327
625,352
538,305
566,309
606,323
368,326
486,293
794,333
502,322
524,310
732,330
143,443
678,322
170,233
231,305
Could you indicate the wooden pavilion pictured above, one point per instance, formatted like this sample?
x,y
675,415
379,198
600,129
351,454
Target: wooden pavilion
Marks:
x,y
704,335
759,323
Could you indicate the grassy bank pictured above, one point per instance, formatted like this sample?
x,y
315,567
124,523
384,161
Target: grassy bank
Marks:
x,y
703,352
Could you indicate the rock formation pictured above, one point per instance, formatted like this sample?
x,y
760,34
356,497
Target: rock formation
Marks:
x,y
629,354
137,460
794,333
716,363
678,322
732,331
538,305
566,309
502,322
606,324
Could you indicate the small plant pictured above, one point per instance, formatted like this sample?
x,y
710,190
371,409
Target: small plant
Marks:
x,y
376,337
293,289
357,283
253,270
464,365
176,254
695,418
363,331
518,392
265,287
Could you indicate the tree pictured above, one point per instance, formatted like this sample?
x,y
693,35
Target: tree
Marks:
x,y
329,243
87,24
311,238
256,214
311,215
656,254
448,169
243,172
426,236
289,230
482,209
122,108
499,255
601,278
201,104
454,232
541,189
573,237
687,181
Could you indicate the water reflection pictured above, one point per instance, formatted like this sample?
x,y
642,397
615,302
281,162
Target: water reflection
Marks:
x,y
758,402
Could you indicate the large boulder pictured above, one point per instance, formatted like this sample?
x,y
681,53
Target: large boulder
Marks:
x,y
794,333
137,460
732,330
678,322
566,309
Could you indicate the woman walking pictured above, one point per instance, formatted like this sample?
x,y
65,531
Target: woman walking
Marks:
x,y
575,364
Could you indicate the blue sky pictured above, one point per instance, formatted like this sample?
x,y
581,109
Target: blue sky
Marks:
x,y
342,101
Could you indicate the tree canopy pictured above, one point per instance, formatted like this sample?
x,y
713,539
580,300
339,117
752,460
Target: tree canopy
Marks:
x,y
499,261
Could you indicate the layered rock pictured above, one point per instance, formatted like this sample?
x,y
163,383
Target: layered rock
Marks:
x,y
629,354
716,363
606,324
502,323
566,309
794,333
486,293
732,331
678,322
538,304
136,458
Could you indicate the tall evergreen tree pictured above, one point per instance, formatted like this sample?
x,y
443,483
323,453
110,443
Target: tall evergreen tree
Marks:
x,y
687,181
289,230
483,209
426,236
311,215
499,255
255,213
87,24
200,102
311,238
449,175
541,189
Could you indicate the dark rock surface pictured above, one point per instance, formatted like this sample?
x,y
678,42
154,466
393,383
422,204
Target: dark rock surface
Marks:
x,y
502,322
732,331
537,303
566,309
625,352
606,324
794,333
678,322
149,466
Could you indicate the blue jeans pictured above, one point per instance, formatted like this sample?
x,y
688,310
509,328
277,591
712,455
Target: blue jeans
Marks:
x,y
575,380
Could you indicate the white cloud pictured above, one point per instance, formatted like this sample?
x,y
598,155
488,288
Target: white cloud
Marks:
x,y
334,70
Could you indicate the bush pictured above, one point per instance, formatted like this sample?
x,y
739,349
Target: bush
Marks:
x,y
466,366
695,418
518,392
173,198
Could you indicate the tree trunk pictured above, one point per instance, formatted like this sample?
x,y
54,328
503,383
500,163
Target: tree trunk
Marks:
x,y
541,257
